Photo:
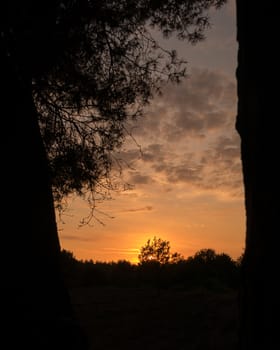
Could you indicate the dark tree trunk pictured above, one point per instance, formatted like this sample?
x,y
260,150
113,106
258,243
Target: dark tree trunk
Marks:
x,y
37,308
257,123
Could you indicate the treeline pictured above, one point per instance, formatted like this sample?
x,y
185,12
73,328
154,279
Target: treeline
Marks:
x,y
205,269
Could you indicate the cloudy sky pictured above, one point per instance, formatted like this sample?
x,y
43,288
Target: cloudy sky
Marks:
x,y
184,165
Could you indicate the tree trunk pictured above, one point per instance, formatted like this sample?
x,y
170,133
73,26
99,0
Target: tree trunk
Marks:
x,y
258,110
37,308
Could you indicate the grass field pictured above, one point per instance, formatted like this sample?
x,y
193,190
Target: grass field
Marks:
x,y
139,318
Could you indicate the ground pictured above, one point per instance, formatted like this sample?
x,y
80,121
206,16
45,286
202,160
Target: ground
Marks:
x,y
139,318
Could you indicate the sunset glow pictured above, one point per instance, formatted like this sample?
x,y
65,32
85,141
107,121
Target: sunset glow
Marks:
x,y
186,179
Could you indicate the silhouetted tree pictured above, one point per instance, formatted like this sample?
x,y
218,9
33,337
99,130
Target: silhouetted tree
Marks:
x,y
210,269
124,274
258,110
205,268
154,256
155,250
72,73
72,269
205,255
176,258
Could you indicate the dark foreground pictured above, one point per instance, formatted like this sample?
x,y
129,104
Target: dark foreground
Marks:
x,y
139,318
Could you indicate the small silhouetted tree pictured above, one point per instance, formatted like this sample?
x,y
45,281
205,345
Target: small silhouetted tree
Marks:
x,y
154,256
155,250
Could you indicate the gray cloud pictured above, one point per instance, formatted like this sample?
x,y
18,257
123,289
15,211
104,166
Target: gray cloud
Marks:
x,y
77,238
154,152
218,167
206,100
139,179
184,173
134,210
187,136
223,165
215,119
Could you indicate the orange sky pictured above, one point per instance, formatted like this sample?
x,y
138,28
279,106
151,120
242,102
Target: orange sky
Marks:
x,y
187,181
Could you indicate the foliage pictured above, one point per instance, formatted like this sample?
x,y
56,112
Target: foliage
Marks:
x,y
157,250
92,65
211,268
219,272
205,255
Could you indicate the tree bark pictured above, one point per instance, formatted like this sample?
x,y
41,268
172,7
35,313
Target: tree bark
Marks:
x,y
258,110
37,311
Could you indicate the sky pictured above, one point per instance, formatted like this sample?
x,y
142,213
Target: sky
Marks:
x,y
184,165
